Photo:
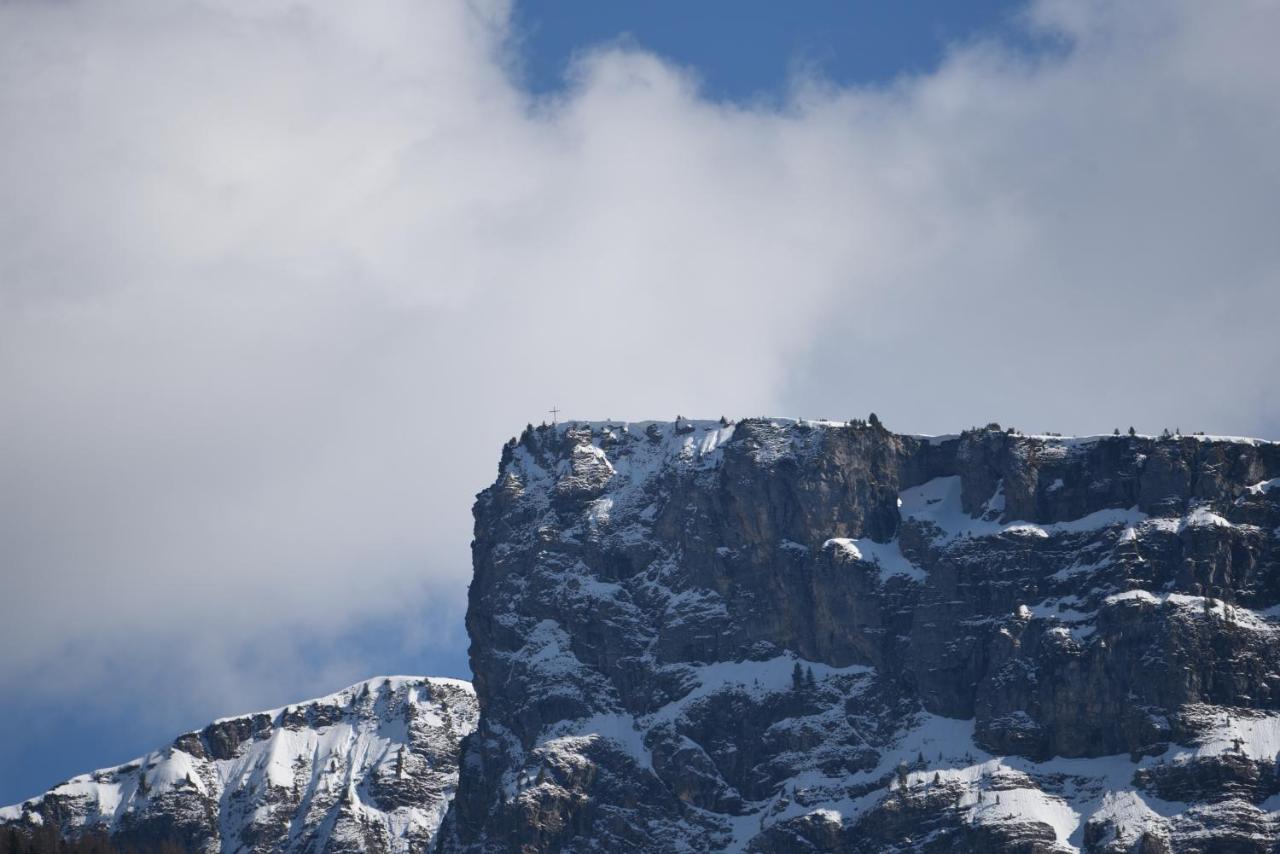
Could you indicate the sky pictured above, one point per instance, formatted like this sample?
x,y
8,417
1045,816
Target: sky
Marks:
x,y
278,279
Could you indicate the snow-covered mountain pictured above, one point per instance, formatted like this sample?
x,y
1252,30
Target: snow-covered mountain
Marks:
x,y
780,636
370,768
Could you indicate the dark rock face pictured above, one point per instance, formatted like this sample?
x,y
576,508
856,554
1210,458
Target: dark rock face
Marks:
x,y
780,636
371,768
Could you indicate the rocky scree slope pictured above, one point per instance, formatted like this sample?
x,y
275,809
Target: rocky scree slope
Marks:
x,y
371,768
779,636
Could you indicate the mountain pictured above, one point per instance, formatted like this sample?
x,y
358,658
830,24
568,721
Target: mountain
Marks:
x,y
370,768
778,636
792,636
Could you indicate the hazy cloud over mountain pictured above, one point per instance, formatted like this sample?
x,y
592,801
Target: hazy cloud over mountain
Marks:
x,y
277,279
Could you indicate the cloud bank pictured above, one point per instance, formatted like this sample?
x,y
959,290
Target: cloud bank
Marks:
x,y
278,278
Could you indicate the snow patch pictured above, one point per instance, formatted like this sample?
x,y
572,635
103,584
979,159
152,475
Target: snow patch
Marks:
x,y
887,557
1265,487
938,502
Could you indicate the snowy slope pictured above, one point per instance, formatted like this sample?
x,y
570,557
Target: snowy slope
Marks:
x,y
370,768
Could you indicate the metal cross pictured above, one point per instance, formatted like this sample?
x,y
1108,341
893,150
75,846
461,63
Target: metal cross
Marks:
x,y
554,412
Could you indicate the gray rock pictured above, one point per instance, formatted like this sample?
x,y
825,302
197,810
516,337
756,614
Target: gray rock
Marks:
x,y
1016,643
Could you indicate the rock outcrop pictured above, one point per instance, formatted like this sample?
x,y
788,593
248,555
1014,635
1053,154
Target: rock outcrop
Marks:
x,y
371,768
780,636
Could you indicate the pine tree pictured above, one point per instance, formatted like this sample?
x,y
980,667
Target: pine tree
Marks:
x,y
797,677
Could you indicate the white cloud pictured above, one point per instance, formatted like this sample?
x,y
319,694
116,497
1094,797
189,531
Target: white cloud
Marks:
x,y
276,280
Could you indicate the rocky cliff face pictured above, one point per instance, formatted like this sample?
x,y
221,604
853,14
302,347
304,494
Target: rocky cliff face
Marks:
x,y
371,768
779,636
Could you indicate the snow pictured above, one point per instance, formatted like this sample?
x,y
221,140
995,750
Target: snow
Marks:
x,y
1026,530
1134,595
1265,487
344,697
772,676
175,769
888,557
1218,609
547,650
1058,610
995,504
626,732
332,758
1129,813
846,545
714,438
639,452
1063,794
691,603
1098,519
938,502
1065,442
1236,440
1026,804
618,728
1203,517
599,512
1257,733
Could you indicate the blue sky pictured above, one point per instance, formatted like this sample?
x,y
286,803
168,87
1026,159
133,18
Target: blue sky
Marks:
x,y
750,49
277,280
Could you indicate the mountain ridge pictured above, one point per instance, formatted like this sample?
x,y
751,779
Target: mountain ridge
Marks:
x,y
368,768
